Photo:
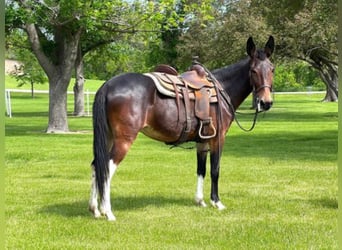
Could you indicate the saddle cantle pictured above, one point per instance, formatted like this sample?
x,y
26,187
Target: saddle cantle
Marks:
x,y
190,86
164,68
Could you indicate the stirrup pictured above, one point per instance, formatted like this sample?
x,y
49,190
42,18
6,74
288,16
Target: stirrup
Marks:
x,y
201,128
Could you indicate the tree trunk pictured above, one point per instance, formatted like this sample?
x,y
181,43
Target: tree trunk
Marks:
x,y
79,86
331,95
58,120
58,71
328,73
330,78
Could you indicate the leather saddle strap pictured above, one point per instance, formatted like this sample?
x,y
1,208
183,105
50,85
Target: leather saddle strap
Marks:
x,y
187,108
176,92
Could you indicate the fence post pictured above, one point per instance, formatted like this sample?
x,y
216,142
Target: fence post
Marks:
x,y
8,103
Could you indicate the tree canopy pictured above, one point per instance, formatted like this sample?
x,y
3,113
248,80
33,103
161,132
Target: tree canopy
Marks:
x,y
60,32
304,30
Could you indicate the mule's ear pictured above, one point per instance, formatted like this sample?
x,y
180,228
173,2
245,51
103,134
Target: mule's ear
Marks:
x,y
250,47
269,47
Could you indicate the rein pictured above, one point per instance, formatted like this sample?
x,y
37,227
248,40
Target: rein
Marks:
x,y
255,114
240,126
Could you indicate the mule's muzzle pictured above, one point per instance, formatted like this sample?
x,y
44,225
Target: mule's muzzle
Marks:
x,y
263,105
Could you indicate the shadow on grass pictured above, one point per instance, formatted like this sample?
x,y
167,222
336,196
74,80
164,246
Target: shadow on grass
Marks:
x,y
325,203
283,145
120,203
329,203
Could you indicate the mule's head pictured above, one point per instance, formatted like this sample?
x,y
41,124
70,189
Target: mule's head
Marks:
x,y
261,73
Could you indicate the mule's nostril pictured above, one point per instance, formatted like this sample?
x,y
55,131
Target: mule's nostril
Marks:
x,y
267,105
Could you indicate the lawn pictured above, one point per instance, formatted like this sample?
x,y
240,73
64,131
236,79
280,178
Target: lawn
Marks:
x,y
279,184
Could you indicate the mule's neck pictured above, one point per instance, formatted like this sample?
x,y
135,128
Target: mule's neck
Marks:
x,y
235,81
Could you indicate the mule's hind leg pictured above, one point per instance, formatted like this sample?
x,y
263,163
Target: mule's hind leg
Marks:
x,y
105,207
202,150
93,205
118,152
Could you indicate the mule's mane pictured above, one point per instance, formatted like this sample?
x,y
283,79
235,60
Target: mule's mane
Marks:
x,y
227,71
230,71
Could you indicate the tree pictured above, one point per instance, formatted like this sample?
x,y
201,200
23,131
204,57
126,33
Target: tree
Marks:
x,y
307,31
163,49
108,26
53,32
220,40
55,29
158,24
30,72
304,30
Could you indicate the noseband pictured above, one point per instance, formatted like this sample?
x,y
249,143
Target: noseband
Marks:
x,y
257,90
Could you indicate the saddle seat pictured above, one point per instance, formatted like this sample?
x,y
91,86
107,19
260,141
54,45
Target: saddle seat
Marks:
x,y
192,85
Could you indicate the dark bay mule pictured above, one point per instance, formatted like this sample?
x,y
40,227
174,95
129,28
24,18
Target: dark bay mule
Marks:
x,y
130,103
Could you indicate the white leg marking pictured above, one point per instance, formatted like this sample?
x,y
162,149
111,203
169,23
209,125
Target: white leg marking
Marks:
x,y
105,204
218,205
93,197
199,192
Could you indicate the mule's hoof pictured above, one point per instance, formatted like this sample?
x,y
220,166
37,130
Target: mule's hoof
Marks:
x,y
200,202
110,216
96,213
218,205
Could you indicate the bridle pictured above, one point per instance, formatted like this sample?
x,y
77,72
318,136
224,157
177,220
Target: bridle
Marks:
x,y
220,91
255,91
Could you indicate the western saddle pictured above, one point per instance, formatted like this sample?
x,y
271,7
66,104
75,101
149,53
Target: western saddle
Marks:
x,y
192,85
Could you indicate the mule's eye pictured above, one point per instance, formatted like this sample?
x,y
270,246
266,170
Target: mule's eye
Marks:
x,y
253,72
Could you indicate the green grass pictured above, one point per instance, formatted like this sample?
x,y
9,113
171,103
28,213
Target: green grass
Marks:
x,y
279,184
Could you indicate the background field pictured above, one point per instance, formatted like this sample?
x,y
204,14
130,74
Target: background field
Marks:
x,y
279,184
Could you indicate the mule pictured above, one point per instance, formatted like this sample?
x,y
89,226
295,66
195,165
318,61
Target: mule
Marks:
x,y
130,103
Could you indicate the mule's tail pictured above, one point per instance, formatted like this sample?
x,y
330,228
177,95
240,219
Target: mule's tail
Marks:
x,y
100,141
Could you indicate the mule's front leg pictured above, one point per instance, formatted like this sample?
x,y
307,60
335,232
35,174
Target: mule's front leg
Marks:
x,y
202,150
215,170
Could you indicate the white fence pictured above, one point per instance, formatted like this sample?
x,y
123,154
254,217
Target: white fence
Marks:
x,y
9,104
87,97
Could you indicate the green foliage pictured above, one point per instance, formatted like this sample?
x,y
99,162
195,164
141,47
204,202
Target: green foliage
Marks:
x,y
279,184
31,72
115,58
296,77
123,36
285,80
